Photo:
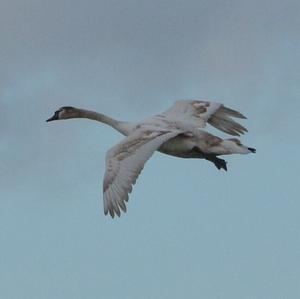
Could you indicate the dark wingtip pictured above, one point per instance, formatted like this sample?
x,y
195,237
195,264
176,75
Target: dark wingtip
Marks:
x,y
252,150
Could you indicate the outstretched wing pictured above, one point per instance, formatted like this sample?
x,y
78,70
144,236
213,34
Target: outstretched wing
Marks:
x,y
125,161
201,112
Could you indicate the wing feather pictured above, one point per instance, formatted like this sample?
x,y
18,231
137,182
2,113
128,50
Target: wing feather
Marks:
x,y
124,163
202,112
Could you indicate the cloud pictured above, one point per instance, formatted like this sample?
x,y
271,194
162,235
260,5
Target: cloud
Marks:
x,y
131,59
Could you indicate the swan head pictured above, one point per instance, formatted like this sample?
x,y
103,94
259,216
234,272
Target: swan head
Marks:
x,y
234,145
63,113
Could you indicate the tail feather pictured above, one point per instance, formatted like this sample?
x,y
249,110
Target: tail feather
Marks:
x,y
252,150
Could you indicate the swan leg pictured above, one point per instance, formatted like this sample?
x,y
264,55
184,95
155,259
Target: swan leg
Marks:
x,y
219,163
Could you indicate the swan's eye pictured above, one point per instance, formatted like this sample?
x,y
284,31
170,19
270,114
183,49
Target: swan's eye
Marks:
x,y
56,113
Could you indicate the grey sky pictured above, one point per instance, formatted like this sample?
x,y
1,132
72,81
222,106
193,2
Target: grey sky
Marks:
x,y
190,230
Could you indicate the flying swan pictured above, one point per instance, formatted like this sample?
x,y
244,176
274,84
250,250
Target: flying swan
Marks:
x,y
177,132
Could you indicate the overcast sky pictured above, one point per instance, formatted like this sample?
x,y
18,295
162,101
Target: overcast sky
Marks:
x,y
191,231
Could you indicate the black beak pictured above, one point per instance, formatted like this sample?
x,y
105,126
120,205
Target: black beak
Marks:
x,y
54,117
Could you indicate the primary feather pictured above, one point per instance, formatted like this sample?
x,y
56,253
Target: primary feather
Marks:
x,y
125,161
201,112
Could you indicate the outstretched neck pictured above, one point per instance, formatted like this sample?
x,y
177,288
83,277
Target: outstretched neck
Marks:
x,y
121,126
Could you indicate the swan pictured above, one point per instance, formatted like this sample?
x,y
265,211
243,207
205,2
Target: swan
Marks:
x,y
177,131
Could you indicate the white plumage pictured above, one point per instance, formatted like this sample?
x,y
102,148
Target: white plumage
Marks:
x,y
177,131
125,161
201,112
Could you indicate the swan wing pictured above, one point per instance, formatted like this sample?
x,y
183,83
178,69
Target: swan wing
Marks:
x,y
125,161
201,112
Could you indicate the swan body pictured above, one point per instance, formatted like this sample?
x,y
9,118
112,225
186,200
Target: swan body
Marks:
x,y
178,132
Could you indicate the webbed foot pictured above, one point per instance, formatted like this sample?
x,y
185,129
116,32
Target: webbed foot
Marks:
x,y
219,163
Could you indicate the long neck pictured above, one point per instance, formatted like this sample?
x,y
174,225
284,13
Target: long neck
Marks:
x,y
121,126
